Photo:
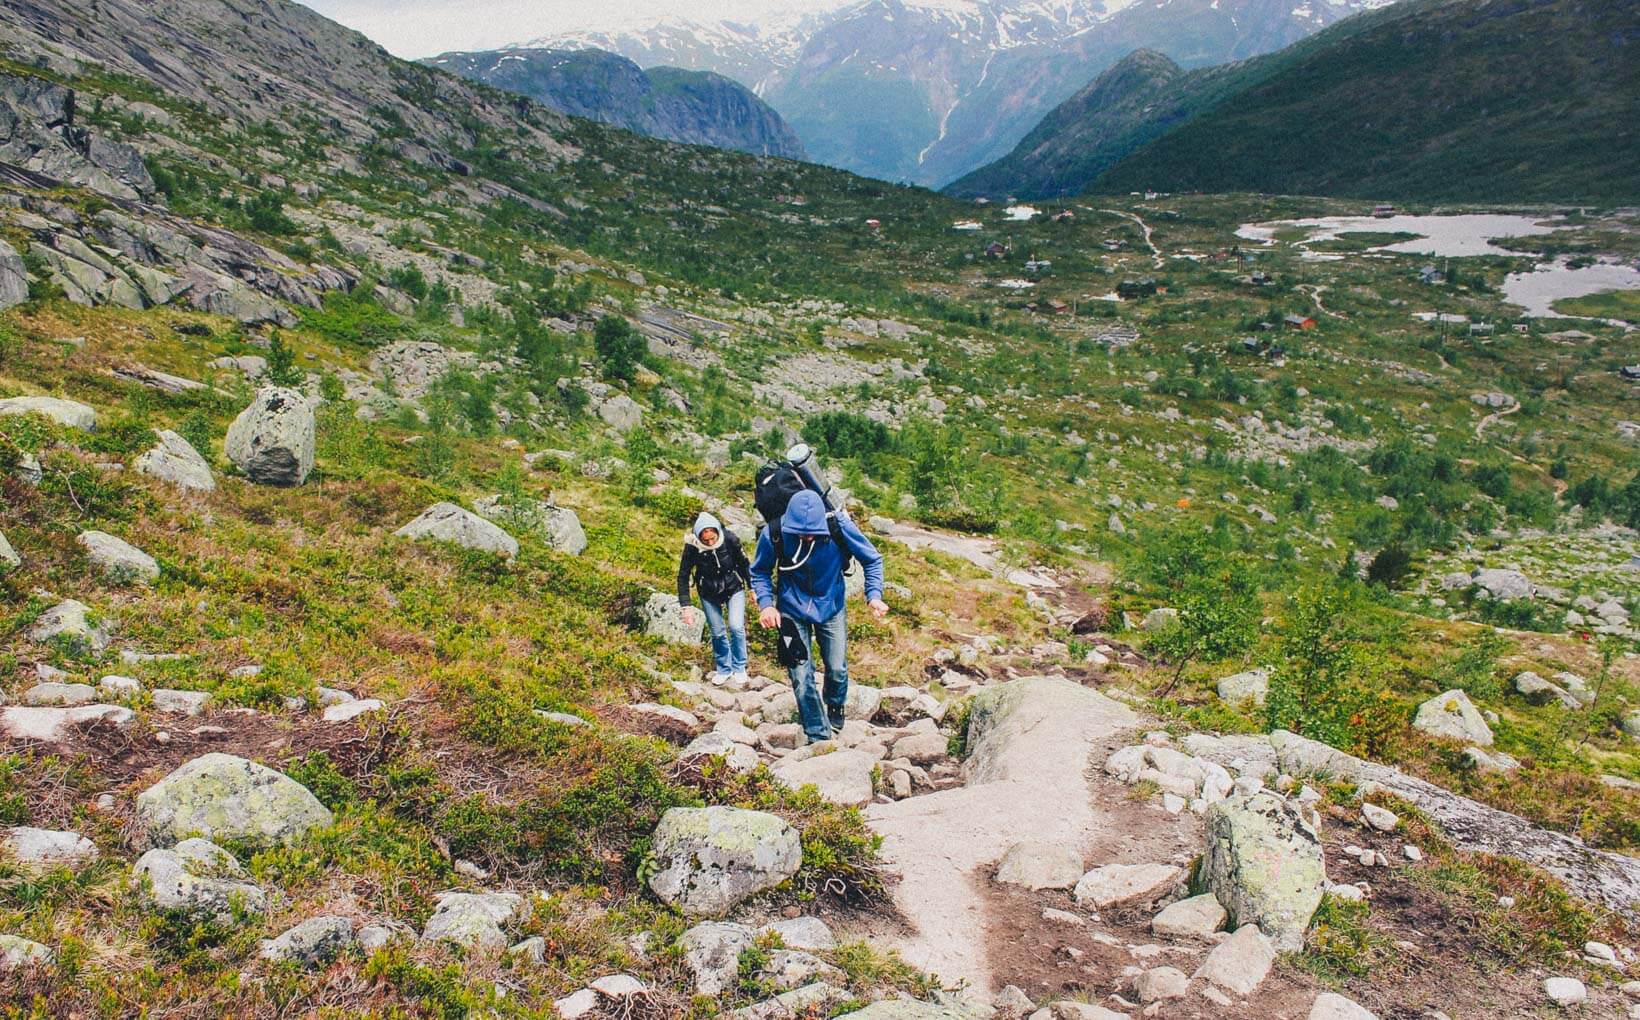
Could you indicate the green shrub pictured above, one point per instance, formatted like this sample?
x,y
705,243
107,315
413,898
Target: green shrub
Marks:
x,y
1321,687
620,348
846,434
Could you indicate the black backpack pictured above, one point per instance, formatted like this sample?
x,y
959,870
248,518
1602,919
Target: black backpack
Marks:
x,y
777,482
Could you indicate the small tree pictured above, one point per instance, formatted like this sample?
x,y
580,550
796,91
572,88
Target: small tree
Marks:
x,y
620,347
1318,688
282,370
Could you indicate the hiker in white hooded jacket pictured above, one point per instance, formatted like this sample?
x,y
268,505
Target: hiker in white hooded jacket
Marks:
x,y
715,564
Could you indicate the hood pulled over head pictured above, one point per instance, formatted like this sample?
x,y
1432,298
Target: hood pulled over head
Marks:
x,y
805,515
702,523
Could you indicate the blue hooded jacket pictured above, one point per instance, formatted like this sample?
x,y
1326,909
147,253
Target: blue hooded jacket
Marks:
x,y
811,580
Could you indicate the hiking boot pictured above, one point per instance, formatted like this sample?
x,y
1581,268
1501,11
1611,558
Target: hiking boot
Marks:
x,y
740,678
718,679
835,719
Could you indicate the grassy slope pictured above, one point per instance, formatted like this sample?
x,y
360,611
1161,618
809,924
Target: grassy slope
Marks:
x,y
311,584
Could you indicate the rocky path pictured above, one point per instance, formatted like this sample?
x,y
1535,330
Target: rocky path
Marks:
x,y
1031,747
1156,253
1482,425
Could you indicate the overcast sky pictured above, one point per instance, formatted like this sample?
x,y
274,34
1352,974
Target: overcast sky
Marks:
x,y
422,28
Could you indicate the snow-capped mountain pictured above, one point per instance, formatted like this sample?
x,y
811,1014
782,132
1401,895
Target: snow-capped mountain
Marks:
x,y
926,90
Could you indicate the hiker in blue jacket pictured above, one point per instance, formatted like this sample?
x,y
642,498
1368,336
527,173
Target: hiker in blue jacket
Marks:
x,y
809,607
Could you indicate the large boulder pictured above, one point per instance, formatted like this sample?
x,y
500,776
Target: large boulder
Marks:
x,y
1503,585
200,879
662,617
475,920
119,560
1250,686
707,860
1332,1006
446,522
621,412
1453,716
70,622
175,461
222,796
69,413
272,440
841,777
1264,864
557,526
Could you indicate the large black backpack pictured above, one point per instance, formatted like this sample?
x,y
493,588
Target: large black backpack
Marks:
x,y
777,482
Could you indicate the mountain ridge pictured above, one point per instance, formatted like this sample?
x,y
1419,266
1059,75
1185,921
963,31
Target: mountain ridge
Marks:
x,y
1572,90
675,104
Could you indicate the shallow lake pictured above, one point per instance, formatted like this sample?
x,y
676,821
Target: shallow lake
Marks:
x,y
1439,236
1539,289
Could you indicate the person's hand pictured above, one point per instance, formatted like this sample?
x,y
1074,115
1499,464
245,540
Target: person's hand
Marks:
x,y
879,608
688,616
770,617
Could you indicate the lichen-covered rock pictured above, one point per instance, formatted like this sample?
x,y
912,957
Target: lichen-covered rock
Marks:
x,y
791,968
272,440
174,702
313,942
1250,686
70,621
225,797
557,526
908,1009
1454,717
710,859
815,999
662,617
711,951
475,920
175,461
20,952
43,849
446,522
69,413
1264,864
737,757
200,879
120,561
809,933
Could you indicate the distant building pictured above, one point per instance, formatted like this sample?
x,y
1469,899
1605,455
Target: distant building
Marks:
x,y
1298,322
1630,372
1259,278
966,225
1038,265
995,250
1057,307
1522,327
874,224
1383,211
1063,216
1431,275
1480,329
1113,244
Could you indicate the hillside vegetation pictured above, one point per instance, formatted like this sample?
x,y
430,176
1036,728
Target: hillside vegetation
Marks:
x,y
1436,100
531,348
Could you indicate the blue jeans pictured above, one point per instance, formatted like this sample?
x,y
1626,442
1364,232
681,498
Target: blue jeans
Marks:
x,y
727,622
832,637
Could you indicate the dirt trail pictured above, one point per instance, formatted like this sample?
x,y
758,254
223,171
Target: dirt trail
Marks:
x,y
981,552
1480,426
1155,252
